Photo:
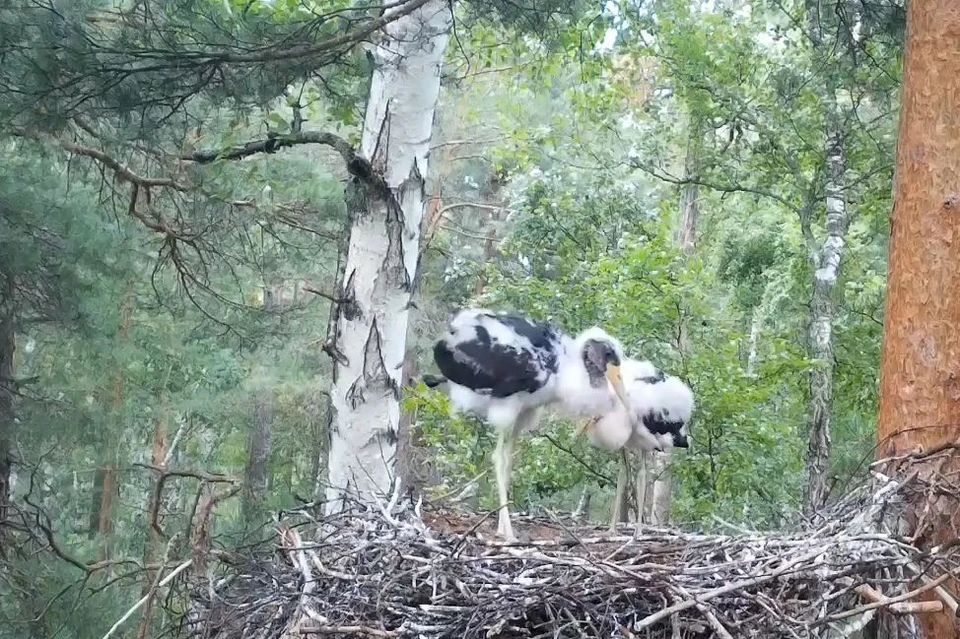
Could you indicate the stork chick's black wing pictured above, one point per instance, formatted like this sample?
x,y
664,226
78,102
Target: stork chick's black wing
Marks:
x,y
499,355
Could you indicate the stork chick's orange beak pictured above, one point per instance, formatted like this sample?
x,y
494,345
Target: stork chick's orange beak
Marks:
x,y
613,376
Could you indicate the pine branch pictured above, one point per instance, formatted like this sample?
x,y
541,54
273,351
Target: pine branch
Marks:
x,y
272,53
357,165
115,165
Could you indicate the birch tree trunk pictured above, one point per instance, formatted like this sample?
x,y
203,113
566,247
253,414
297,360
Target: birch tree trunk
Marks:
x,y
826,262
823,312
920,366
756,328
383,253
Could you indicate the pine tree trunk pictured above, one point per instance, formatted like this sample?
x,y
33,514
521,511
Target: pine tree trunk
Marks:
x,y
258,458
7,421
152,545
105,483
823,312
383,253
920,366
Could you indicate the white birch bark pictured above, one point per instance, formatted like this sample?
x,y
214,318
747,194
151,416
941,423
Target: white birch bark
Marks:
x,y
383,253
826,264
823,311
756,328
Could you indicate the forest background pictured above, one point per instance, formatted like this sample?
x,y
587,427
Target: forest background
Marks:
x,y
710,181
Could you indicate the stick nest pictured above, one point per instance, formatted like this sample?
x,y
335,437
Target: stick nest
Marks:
x,y
390,570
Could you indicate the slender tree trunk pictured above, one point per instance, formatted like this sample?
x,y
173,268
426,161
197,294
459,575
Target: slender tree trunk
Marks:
x,y
258,458
656,507
153,546
826,261
823,312
411,464
158,456
690,192
920,367
756,328
105,481
7,416
259,443
325,427
409,451
489,244
383,253
96,496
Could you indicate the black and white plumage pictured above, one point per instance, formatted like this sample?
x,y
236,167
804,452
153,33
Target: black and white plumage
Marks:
x,y
505,368
655,416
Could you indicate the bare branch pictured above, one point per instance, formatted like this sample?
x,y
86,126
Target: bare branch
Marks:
x,y
324,295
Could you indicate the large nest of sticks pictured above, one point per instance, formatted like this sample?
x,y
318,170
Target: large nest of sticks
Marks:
x,y
391,570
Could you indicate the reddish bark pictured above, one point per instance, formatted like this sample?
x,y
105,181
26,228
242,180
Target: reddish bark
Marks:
x,y
108,473
920,376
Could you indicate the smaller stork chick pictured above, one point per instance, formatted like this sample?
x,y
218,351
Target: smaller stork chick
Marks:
x,y
654,416
506,368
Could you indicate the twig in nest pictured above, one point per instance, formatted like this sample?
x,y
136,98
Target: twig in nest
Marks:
x,y
885,602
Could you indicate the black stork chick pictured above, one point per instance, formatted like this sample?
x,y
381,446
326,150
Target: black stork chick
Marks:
x,y
655,417
505,368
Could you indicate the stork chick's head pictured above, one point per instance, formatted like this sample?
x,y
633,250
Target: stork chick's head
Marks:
x,y
602,355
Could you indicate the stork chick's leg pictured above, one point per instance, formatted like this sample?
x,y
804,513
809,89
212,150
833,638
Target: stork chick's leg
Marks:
x,y
508,432
621,492
502,458
641,488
